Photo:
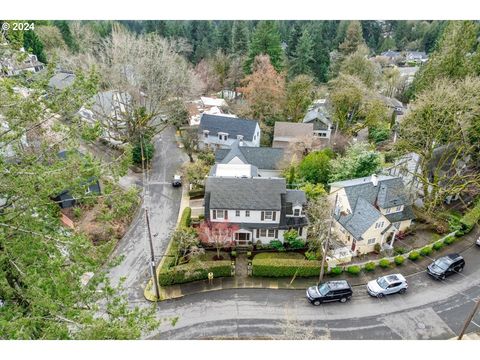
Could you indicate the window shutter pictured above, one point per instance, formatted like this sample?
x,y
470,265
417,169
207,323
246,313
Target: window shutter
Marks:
x,y
274,215
263,215
258,233
226,215
276,234
214,214
300,231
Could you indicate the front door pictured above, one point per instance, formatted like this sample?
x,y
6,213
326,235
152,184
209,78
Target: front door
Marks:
x,y
354,244
242,238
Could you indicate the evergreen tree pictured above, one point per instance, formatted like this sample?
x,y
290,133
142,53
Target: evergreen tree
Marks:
x,y
156,26
223,36
266,40
293,37
66,34
353,38
454,59
239,38
32,43
303,55
372,32
323,41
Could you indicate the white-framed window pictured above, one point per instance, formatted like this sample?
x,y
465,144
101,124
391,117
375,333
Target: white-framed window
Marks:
x,y
247,213
371,241
205,134
237,213
219,214
296,212
398,208
388,210
379,225
271,233
263,232
222,136
268,215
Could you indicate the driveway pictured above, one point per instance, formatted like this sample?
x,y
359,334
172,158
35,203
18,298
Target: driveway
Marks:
x,y
429,310
163,202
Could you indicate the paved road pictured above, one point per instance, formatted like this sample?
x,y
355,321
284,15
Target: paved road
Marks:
x,y
429,310
164,203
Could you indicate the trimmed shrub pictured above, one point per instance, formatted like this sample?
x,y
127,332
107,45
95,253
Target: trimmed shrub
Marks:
x,y
370,266
277,245
354,270
377,248
186,219
384,263
196,193
399,260
399,250
312,255
414,255
438,245
249,253
233,253
284,267
337,270
449,240
470,218
285,255
427,250
194,271
201,217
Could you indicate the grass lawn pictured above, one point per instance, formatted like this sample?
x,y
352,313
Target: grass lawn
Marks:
x,y
281,255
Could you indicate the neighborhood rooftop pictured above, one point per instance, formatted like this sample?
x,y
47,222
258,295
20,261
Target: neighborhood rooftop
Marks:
x,y
250,194
232,126
261,157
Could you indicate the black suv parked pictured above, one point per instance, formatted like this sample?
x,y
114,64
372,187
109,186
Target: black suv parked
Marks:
x,y
445,266
329,291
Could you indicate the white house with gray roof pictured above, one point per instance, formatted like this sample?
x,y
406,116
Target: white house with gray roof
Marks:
x,y
320,116
261,209
370,210
222,131
269,162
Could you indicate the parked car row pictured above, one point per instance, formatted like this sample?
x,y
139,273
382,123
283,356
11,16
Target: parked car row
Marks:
x,y
340,290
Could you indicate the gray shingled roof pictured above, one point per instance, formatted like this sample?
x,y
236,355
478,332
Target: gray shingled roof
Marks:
x,y
405,214
249,194
363,216
391,193
320,118
233,126
61,80
296,197
261,157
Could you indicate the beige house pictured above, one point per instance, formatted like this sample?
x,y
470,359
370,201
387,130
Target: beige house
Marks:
x,y
370,210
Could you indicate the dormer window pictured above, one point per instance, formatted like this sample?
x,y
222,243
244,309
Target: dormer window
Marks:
x,y
296,212
205,133
239,137
222,136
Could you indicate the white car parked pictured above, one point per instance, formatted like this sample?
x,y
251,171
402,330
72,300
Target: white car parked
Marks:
x,y
386,285
478,241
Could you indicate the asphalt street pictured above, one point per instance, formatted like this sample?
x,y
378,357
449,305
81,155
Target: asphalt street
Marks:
x,y
430,309
163,203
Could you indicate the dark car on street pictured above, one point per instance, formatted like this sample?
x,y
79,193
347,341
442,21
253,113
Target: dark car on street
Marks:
x,y
445,266
329,291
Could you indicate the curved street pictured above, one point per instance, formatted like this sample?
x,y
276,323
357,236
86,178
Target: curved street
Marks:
x,y
429,310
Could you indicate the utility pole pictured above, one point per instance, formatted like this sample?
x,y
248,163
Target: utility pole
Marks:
x,y
153,268
325,249
469,319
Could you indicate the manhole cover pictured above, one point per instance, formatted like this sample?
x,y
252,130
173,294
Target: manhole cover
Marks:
x,y
421,325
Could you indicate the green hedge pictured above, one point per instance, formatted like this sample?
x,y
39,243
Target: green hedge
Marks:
x,y
196,193
337,270
186,219
449,240
285,267
470,218
194,271
438,245
399,260
384,263
282,255
427,250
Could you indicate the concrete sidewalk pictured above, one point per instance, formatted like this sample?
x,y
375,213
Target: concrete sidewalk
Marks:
x,y
407,269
